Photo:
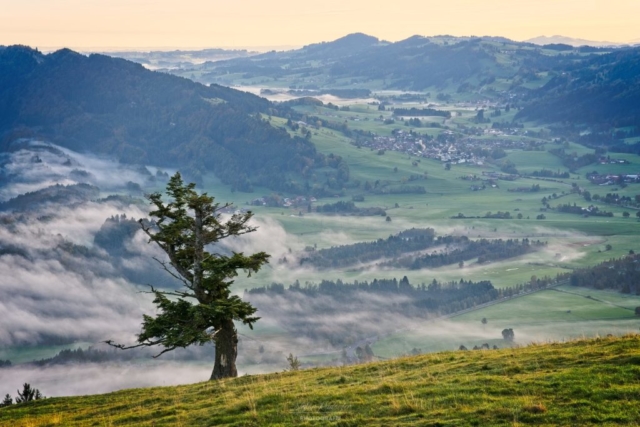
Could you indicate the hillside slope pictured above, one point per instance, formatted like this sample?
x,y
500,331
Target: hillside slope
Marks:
x,y
603,89
554,83
114,107
589,382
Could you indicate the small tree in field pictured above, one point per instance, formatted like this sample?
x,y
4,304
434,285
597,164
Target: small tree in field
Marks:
x,y
204,310
8,400
508,334
28,394
294,364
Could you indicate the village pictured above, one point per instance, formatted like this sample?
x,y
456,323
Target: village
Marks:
x,y
447,148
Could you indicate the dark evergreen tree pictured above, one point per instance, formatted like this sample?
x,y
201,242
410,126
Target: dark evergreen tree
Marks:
x,y
28,394
508,334
6,401
205,310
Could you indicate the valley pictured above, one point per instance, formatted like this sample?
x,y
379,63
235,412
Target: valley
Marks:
x,y
466,160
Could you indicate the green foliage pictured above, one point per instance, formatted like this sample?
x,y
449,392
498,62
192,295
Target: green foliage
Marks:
x,y
484,250
421,112
182,228
363,252
601,90
572,161
508,334
8,400
28,394
349,208
621,274
294,363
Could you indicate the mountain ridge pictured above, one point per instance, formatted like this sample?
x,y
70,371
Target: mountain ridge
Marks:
x,y
575,42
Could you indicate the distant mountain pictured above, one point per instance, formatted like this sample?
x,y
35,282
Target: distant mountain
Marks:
x,y
115,107
557,82
177,59
543,40
348,44
416,63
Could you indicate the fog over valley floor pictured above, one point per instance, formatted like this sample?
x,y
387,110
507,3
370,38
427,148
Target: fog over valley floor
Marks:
x,y
432,194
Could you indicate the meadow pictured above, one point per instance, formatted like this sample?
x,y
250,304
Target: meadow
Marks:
x,y
573,241
584,382
558,314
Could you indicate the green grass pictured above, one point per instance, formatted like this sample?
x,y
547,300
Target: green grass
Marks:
x,y
447,195
556,314
586,382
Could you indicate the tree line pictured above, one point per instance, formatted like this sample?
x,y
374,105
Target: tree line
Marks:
x,y
343,313
462,249
421,112
622,275
411,240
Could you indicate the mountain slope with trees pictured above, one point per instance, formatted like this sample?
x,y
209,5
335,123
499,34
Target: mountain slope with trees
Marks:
x,y
114,107
553,83
602,87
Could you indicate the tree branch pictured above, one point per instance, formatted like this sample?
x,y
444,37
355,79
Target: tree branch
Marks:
x,y
164,267
124,347
164,351
176,293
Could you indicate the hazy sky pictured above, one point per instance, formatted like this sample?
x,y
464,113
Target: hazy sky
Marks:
x,y
226,23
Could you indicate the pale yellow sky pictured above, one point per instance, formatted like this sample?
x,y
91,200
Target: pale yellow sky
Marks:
x,y
90,24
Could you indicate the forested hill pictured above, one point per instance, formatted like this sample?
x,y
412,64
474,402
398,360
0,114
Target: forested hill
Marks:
x,y
112,106
415,63
554,83
465,64
603,89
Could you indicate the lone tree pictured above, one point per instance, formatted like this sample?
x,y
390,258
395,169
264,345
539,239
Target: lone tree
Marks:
x,y
508,334
204,310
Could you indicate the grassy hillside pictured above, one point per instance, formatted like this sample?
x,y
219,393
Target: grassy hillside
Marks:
x,y
589,382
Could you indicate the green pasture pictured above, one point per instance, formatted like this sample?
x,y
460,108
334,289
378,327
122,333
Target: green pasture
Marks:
x,y
631,168
586,382
558,314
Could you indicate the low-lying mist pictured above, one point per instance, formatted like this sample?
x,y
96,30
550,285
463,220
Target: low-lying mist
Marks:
x,y
93,378
59,286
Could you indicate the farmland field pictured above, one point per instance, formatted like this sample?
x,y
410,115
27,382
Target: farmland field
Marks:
x,y
559,314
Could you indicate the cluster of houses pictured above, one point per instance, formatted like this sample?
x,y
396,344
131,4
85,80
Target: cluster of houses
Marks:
x,y
606,160
446,148
613,179
498,175
276,201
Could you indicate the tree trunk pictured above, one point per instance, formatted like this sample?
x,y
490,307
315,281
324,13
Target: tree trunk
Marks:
x,y
226,341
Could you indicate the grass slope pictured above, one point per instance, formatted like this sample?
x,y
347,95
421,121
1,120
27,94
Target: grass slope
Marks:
x,y
588,382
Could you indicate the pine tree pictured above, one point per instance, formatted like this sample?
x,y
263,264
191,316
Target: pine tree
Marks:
x,y
204,310
7,401
28,394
